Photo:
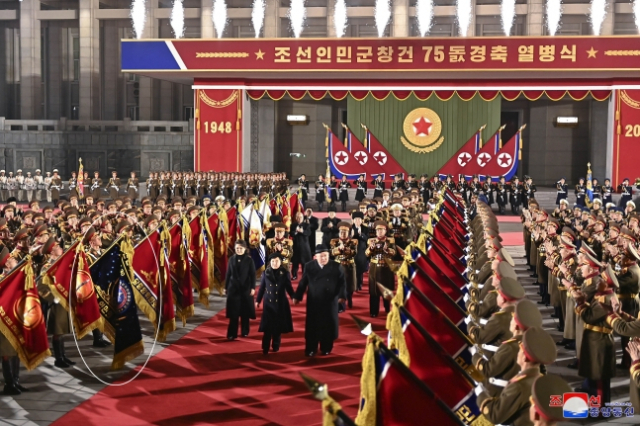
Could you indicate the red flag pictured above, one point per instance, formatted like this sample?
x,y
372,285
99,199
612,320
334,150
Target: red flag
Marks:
x,y
360,154
463,156
197,254
430,288
21,318
340,161
234,229
485,155
150,265
449,287
219,248
180,270
380,154
72,269
505,163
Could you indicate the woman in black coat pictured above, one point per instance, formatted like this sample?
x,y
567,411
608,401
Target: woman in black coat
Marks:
x,y
240,288
300,232
361,191
276,319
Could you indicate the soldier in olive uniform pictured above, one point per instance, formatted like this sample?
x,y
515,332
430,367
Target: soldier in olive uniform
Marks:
x,y
132,187
113,186
55,186
627,294
513,404
544,388
279,243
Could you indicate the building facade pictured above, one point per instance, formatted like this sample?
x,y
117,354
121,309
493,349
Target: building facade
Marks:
x,y
61,89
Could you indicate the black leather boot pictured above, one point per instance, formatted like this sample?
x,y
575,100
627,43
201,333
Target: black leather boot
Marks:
x,y
7,373
15,369
57,354
63,353
98,341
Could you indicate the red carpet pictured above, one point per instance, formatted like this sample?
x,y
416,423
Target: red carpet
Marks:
x,y
508,219
205,379
512,238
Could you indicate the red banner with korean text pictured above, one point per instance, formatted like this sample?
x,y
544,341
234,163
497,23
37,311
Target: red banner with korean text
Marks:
x,y
626,137
218,130
562,53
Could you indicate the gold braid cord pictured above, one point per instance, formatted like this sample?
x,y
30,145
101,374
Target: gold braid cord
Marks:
x,y
481,420
622,53
205,55
429,148
218,104
329,409
629,100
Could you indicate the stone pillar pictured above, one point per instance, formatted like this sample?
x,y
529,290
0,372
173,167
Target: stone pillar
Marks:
x,y
89,27
608,23
54,74
206,23
264,137
272,19
535,17
400,18
146,98
30,61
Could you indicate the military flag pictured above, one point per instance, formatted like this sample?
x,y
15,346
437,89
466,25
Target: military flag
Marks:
x,y
112,275
70,274
218,241
448,286
80,180
253,236
506,162
487,153
380,155
360,154
21,319
207,269
340,161
179,262
198,253
464,156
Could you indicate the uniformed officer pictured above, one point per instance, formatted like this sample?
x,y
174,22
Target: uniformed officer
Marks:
x,y
280,244
380,252
626,192
361,188
542,412
344,250
562,188
513,404
132,187
378,186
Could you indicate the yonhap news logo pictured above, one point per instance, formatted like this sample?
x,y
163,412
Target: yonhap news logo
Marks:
x,y
579,405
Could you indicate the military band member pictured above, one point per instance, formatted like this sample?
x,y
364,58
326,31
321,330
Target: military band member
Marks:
x,y
40,186
279,243
607,192
20,184
515,195
626,191
378,186
380,252
398,182
343,188
361,188
399,226
29,186
561,190
321,192
344,250
3,186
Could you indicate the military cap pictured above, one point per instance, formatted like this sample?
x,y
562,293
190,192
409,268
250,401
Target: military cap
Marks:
x,y
591,261
28,213
150,219
564,201
275,218
174,213
123,225
88,235
396,206
279,225
601,219
8,207
634,216
527,315
321,248
12,200
22,234
542,216
47,209
83,221
495,244
71,213
628,234
192,209
332,209
614,225
555,222
355,215
40,230
597,200
48,246
344,224
274,255
372,206
609,277
505,270
88,196
386,192
156,209
510,289
405,197
586,249
544,387
146,203
504,256
178,201
381,224
538,346
4,256
632,253
568,233
631,204
566,243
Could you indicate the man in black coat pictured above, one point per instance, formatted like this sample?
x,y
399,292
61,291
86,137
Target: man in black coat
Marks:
x,y
300,233
330,227
240,288
314,225
325,282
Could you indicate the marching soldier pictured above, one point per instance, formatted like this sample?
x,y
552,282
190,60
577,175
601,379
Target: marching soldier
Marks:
x,y
133,187
380,253
96,186
344,250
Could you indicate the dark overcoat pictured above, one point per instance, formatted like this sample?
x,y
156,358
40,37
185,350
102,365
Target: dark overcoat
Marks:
x,y
275,285
240,280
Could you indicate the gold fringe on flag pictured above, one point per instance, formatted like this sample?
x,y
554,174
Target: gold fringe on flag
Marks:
x,y
396,335
132,352
368,386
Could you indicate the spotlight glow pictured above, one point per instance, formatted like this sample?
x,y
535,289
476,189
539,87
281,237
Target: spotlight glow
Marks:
x,y
340,18
219,16
507,12
382,15
597,14
554,13
297,16
424,13
257,16
636,13
177,18
463,14
138,17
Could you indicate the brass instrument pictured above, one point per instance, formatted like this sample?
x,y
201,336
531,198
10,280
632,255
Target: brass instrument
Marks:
x,y
637,182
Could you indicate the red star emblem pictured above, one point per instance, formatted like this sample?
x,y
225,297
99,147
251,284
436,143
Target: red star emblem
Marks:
x,y
422,127
464,158
504,160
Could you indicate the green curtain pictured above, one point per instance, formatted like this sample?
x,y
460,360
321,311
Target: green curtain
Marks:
x,y
460,120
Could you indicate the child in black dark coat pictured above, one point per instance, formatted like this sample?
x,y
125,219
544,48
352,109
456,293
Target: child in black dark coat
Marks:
x,y
276,319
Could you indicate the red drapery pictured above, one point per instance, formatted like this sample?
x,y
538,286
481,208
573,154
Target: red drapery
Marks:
x,y
444,95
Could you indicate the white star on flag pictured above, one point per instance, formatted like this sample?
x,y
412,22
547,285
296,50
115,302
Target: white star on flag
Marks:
x,y
362,157
380,157
504,160
483,159
464,158
341,158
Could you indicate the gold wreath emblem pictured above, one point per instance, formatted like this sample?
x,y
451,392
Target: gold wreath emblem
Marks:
x,y
27,310
422,128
